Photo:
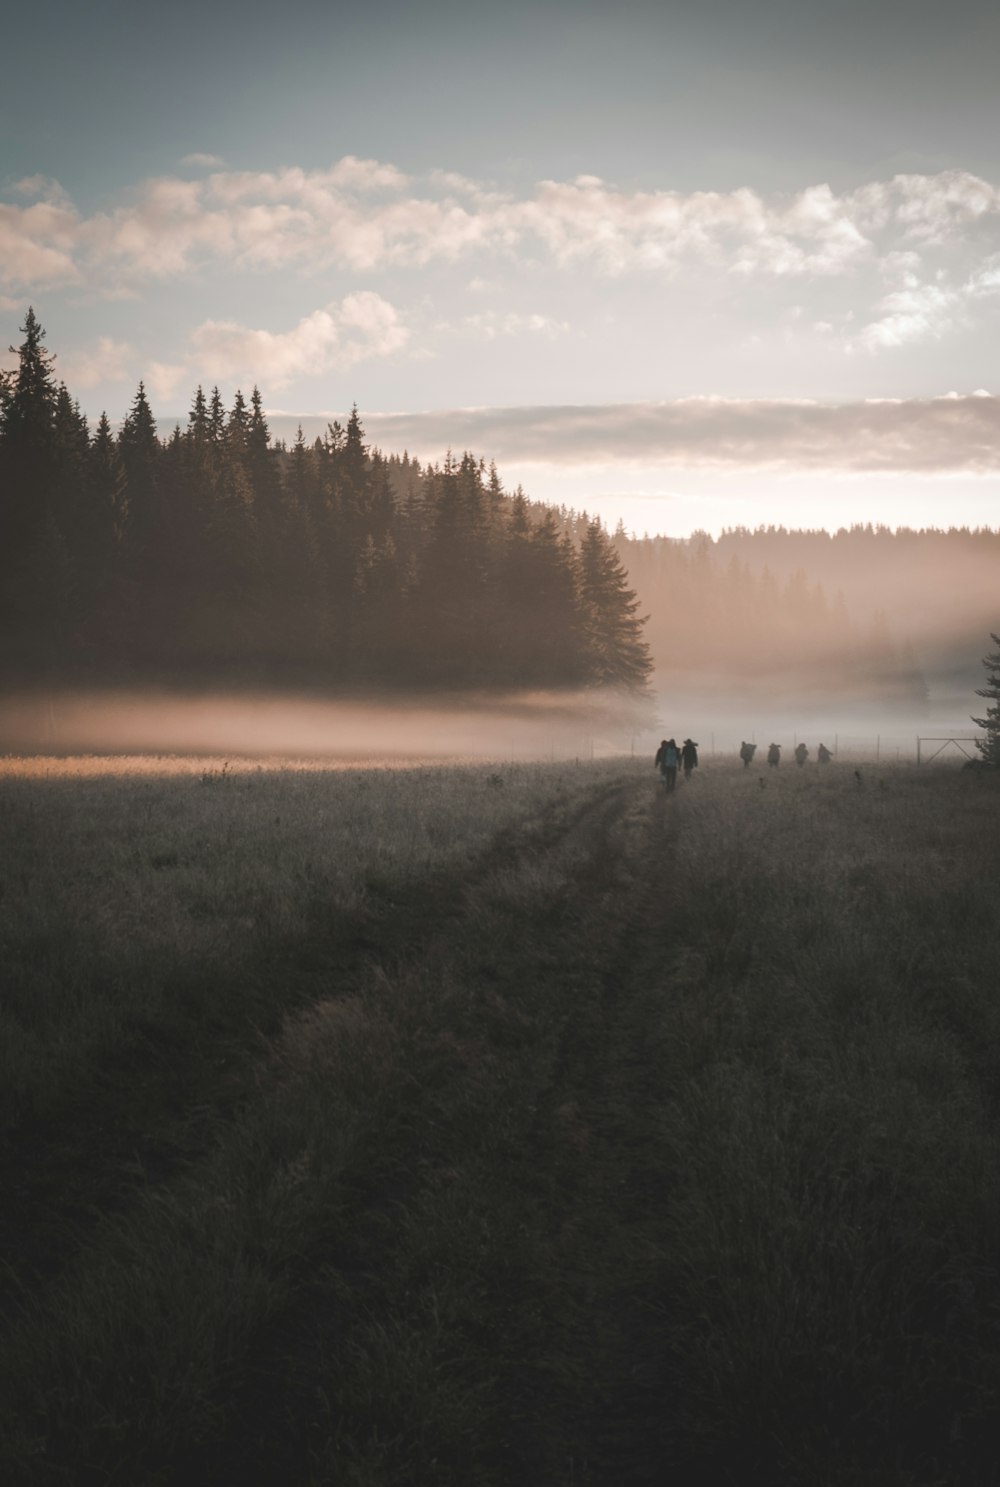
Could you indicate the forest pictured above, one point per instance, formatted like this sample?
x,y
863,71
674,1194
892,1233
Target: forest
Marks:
x,y
217,555
859,607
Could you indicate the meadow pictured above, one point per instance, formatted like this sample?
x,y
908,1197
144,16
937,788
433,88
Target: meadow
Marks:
x,y
499,1123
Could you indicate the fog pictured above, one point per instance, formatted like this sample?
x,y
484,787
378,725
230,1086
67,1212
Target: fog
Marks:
x,y
158,731
274,726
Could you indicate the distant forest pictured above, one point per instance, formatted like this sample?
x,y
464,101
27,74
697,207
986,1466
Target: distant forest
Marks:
x,y
213,556
732,615
861,610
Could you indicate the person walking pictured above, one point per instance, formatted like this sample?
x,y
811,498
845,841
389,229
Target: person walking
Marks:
x,y
689,757
666,761
823,754
774,755
747,751
801,754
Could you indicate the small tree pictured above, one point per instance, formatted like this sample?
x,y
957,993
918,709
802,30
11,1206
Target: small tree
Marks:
x,y
989,746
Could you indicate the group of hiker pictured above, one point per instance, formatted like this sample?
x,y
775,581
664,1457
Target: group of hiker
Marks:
x,y
671,756
747,751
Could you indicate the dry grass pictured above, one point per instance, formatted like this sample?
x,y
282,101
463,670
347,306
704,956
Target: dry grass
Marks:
x,y
126,898
580,1136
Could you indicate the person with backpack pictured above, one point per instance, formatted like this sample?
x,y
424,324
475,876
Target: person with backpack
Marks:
x,y
689,757
666,761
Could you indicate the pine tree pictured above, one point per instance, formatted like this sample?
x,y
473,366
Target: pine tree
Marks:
x,y
140,451
31,546
555,607
27,418
616,654
989,746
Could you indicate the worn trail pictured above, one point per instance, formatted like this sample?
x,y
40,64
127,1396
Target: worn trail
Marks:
x,y
513,1252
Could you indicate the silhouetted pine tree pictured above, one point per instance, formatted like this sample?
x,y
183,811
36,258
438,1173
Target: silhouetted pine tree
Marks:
x,y
100,557
33,560
989,746
140,452
616,654
214,555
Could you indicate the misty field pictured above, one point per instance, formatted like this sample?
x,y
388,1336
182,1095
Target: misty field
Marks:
x,y
500,1124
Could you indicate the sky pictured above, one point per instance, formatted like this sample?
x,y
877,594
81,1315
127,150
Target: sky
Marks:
x,y
683,266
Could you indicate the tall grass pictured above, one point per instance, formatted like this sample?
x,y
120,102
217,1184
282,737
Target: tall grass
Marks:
x,y
580,1135
141,1355
133,905
830,1281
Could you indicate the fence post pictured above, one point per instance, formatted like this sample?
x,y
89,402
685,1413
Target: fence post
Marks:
x,y
918,748
878,746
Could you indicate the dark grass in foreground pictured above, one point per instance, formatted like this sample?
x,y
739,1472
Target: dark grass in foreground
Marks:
x,y
609,1140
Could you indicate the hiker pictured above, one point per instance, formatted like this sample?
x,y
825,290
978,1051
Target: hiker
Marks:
x,y
666,761
747,751
823,754
774,755
689,757
801,754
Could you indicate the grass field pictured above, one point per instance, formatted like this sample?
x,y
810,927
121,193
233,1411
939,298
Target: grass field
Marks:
x,y
500,1124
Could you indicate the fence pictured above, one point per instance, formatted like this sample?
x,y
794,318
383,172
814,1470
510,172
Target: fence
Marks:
x,y
856,748
943,743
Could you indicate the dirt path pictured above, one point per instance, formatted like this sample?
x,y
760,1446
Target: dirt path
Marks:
x,y
548,1272
155,1109
595,1400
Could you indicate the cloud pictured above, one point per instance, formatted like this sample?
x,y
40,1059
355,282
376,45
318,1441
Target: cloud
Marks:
x,y
39,244
492,323
206,162
166,379
917,312
368,215
986,279
363,325
106,361
353,174
919,435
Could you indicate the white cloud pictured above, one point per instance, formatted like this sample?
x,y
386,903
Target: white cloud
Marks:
x,y
922,233
206,162
166,379
920,435
361,326
986,279
366,175
107,361
492,323
917,312
39,243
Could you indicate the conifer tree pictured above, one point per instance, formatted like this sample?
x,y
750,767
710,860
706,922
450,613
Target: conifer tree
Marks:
x,y
989,746
554,605
31,547
27,418
140,452
616,653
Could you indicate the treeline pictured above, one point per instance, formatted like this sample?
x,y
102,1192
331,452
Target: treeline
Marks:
x,y
721,609
213,555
